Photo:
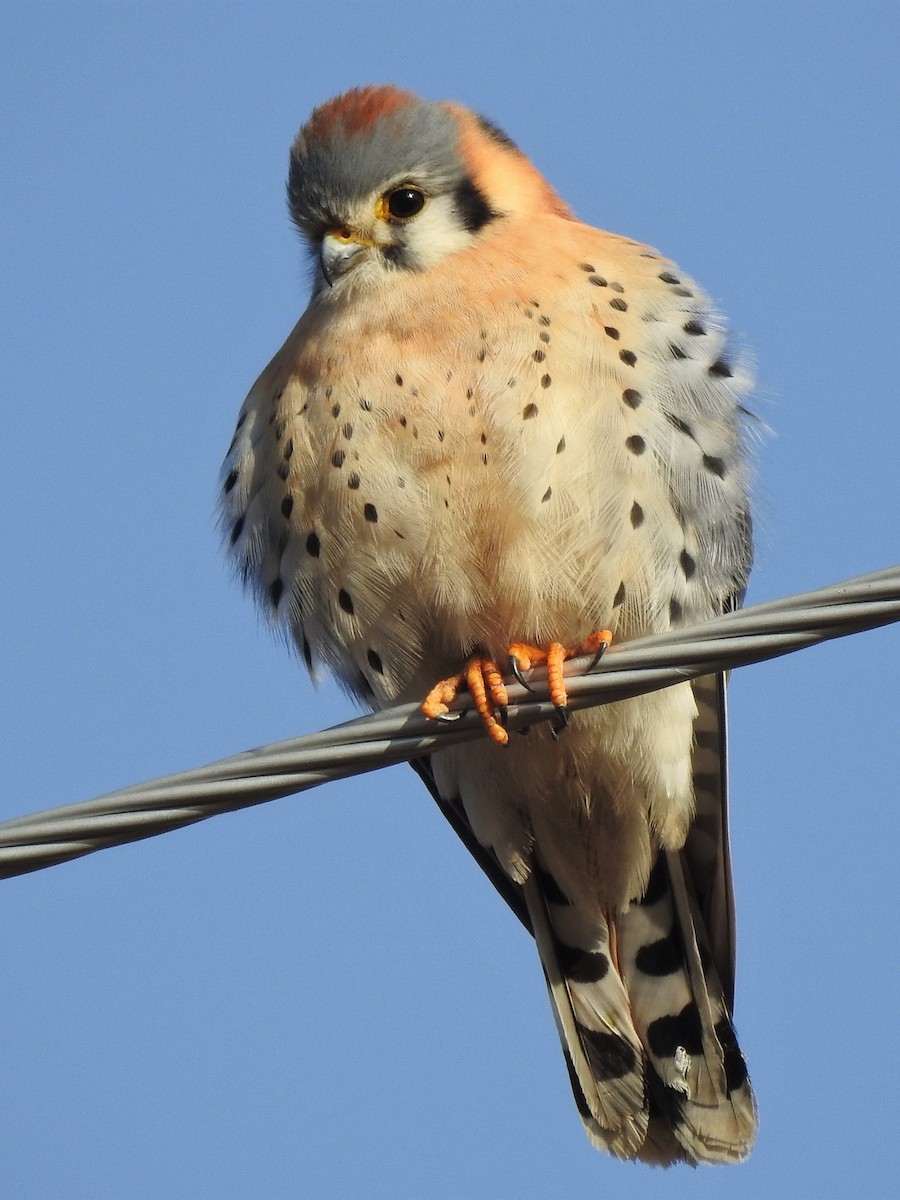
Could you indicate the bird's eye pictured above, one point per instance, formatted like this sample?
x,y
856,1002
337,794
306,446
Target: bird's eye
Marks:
x,y
403,203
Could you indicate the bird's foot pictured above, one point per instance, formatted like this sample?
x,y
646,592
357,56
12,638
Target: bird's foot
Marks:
x,y
522,657
482,677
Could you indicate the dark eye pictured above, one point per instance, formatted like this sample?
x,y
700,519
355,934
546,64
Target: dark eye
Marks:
x,y
405,202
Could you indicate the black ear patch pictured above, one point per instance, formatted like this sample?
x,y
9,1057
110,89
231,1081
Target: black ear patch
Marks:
x,y
472,206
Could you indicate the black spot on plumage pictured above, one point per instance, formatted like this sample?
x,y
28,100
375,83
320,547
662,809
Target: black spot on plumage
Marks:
x,y
657,884
546,496
279,430
365,405
663,957
545,321
616,287
637,515
681,425
545,381
337,459
561,445
313,545
276,591
230,481
345,600
682,291
403,422
347,431
619,598
735,1067
545,338
628,357
539,356
374,660
635,444
597,280
721,369
589,267
472,206
287,506
440,434
481,355
370,512
398,379
529,314
668,277
715,466
611,332
675,610
666,1034
610,1056
676,351
353,480
306,651
288,449
529,411
632,397
582,966
335,410
619,305
283,470
694,328
237,529
688,565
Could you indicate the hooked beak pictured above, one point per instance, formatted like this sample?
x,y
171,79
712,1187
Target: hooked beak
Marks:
x,y
341,250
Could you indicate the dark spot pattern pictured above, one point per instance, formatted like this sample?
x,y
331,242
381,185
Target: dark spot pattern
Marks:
x,y
365,405
313,545
370,512
335,410
682,291
546,496
345,600
663,957
230,481
337,459
306,651
611,332
543,320
666,1034
287,506
619,305
288,449
545,381
616,287
529,411
561,445
398,379
609,1055
237,529
688,565
545,338
283,471
374,660
628,357
680,425
597,280
676,612
668,277
539,356
582,966
676,351
586,267
635,444
694,328
715,466
720,369
353,480
619,598
637,515
632,397
347,431
276,591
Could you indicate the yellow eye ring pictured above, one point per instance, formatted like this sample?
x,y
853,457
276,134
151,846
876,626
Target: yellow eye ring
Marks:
x,y
402,203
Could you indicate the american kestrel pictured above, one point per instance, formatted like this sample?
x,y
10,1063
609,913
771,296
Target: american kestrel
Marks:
x,y
496,427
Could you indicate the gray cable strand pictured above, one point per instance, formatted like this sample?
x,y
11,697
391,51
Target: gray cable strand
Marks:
x,y
646,664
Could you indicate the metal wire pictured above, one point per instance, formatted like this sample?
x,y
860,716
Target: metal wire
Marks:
x,y
401,733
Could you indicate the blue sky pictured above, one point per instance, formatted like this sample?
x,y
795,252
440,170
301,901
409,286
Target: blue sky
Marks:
x,y
322,997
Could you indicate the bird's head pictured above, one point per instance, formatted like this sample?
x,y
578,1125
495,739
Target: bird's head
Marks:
x,y
382,182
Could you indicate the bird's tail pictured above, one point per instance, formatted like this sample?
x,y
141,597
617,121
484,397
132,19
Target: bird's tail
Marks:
x,y
651,1051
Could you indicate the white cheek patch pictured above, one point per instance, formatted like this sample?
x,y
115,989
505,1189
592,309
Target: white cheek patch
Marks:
x,y
432,235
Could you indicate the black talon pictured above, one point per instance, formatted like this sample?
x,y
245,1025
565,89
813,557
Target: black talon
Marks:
x,y
560,723
601,650
516,670
503,714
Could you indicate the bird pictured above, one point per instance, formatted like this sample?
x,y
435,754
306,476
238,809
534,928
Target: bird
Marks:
x,y
498,437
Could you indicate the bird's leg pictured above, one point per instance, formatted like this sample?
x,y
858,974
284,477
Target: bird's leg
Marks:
x,y
482,677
